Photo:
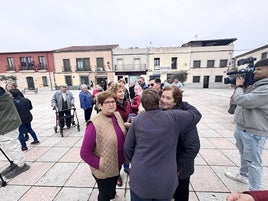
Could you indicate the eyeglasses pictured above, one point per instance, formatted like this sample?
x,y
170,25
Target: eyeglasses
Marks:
x,y
108,102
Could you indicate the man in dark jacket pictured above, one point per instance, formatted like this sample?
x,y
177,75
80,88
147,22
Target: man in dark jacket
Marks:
x,y
24,106
9,122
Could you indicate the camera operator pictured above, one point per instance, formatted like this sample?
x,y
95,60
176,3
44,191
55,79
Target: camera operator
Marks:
x,y
9,122
251,126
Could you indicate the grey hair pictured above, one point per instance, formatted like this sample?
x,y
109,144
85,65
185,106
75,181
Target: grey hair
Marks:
x,y
83,86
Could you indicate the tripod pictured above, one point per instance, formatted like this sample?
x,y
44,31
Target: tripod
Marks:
x,y
4,183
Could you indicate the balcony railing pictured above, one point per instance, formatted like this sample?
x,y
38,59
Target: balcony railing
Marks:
x,y
130,67
41,67
100,69
10,68
27,67
83,69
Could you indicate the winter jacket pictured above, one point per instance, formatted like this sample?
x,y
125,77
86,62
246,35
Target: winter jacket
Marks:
x,y
24,106
251,113
85,100
9,117
57,100
150,146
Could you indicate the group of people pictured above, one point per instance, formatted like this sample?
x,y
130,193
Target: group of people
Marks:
x,y
162,142
156,146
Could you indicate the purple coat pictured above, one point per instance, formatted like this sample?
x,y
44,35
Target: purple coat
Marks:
x,y
151,145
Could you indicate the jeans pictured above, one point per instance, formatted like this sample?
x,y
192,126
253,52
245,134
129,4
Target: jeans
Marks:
x,y
26,128
250,148
135,197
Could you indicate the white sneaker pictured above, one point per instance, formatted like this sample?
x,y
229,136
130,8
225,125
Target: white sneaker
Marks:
x,y
236,177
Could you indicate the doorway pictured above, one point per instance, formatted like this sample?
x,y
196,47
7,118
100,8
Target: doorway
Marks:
x,y
206,82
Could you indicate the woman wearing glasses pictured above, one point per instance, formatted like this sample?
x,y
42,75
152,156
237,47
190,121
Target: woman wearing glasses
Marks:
x,y
123,106
102,146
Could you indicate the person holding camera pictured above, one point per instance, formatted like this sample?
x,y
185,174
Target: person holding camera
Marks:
x,y
251,116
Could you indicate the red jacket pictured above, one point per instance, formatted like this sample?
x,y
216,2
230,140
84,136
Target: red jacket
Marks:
x,y
258,195
124,109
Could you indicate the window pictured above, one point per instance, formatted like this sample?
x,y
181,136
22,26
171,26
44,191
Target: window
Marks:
x,y
137,64
156,63
84,80
66,65
197,64
44,79
26,63
100,64
10,62
223,63
210,63
83,64
42,62
174,63
218,78
264,55
196,79
119,64
68,80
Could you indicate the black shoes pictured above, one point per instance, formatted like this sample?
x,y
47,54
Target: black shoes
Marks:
x,y
24,148
17,170
35,142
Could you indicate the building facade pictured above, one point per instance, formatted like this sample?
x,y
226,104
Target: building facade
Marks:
x,y
258,53
88,65
31,70
206,62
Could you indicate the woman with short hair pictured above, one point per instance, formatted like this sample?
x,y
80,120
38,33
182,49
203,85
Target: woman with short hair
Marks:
x,y
102,146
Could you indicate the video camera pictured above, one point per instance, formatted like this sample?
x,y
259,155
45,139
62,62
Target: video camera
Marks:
x,y
246,73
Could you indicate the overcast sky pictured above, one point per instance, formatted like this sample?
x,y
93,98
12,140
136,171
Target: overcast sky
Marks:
x,y
33,25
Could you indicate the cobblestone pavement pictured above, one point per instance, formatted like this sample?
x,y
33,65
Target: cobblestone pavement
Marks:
x,y
58,173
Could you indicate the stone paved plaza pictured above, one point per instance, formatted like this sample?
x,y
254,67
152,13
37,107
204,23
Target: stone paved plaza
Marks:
x,y
58,173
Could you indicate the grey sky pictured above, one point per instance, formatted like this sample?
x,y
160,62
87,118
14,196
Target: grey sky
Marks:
x,y
33,25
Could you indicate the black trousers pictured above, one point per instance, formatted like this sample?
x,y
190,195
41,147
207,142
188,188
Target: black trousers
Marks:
x,y
106,188
182,191
87,113
62,115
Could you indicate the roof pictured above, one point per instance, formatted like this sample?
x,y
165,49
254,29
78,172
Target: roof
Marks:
x,y
86,48
215,42
252,51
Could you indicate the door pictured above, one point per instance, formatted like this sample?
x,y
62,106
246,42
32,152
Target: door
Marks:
x,y
206,82
30,83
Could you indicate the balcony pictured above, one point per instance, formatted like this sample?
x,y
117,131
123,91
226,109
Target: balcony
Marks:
x,y
130,67
100,69
41,67
10,68
81,69
27,67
